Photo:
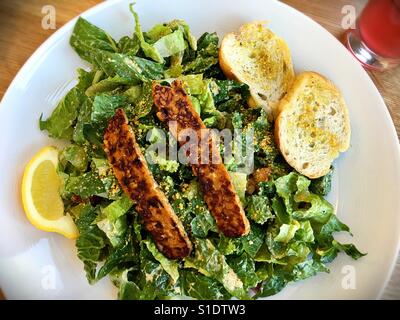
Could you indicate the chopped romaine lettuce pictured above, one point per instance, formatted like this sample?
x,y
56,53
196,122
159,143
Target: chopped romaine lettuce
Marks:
x,y
87,38
91,242
244,267
117,208
287,231
292,226
106,85
170,266
170,44
61,122
198,286
115,230
129,45
211,263
104,106
259,209
149,50
75,155
85,185
322,186
254,240
206,54
182,25
239,180
131,69
122,254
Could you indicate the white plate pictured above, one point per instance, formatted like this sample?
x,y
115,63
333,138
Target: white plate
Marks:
x,y
35,264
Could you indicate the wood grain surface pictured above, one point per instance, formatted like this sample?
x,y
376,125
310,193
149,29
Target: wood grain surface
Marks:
x,y
21,33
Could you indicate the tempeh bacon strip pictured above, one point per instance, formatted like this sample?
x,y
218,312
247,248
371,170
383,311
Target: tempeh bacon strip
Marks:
x,y
174,104
135,178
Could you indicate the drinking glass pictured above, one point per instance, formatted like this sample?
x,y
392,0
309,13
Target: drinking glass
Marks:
x,y
376,40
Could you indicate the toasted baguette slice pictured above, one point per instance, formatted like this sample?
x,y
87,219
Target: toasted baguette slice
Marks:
x,y
259,58
313,125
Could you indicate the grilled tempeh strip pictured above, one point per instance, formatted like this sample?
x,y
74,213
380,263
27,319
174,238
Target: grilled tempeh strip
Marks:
x,y
173,104
135,178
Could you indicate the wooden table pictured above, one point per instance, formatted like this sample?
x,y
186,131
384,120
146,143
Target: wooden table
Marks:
x,y
21,33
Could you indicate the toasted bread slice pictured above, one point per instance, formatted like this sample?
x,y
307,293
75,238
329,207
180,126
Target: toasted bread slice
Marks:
x,y
259,58
174,104
313,125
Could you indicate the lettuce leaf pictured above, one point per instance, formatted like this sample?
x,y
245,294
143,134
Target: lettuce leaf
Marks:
x,y
259,209
120,256
320,209
149,50
115,230
82,119
228,246
61,122
349,249
76,156
170,44
141,100
104,106
132,69
91,242
305,232
287,232
307,269
184,27
128,290
153,280
157,32
105,174
239,180
85,185
322,185
324,232
206,55
170,266
194,84
117,208
129,45
274,284
254,240
212,117
87,38
211,263
293,189
163,164
202,224
106,85
228,89
244,267
201,287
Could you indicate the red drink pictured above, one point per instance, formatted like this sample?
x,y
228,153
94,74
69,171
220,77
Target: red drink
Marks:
x,y
376,42
379,26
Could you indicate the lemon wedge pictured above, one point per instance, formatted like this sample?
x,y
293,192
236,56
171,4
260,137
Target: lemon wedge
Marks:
x,y
40,195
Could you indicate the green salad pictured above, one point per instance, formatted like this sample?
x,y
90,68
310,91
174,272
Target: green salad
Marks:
x,y
292,225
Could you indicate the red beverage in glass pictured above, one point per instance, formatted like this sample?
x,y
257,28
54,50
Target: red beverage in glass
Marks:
x,y
376,42
379,26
